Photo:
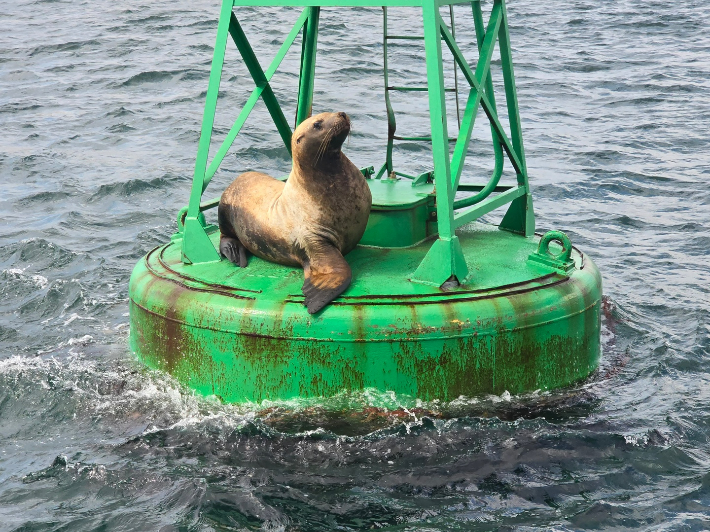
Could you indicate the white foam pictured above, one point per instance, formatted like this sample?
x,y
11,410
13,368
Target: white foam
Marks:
x,y
84,340
75,317
72,342
39,281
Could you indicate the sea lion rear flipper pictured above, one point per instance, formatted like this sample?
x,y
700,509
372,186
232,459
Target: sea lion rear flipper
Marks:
x,y
327,275
233,250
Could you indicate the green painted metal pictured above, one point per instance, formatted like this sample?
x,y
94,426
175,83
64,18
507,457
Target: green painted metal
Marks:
x,y
519,218
561,261
263,89
488,205
497,149
440,305
243,334
456,71
257,74
445,258
488,108
308,66
196,245
401,215
332,3
474,98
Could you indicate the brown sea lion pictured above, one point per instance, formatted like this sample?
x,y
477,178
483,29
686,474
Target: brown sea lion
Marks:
x,y
318,215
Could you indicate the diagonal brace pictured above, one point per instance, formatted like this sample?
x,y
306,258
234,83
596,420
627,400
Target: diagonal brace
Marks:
x,y
257,74
485,102
474,98
253,98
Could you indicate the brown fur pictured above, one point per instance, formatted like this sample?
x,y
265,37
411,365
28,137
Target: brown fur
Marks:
x,y
318,215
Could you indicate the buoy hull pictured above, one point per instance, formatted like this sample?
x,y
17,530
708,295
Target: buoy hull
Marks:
x,y
244,334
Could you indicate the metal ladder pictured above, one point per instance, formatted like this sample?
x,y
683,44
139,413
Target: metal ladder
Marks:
x,y
387,168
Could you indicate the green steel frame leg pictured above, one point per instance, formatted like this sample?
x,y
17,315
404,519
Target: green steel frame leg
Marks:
x,y
520,217
308,66
445,258
196,245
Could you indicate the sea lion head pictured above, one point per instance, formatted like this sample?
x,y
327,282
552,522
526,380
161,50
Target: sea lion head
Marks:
x,y
318,139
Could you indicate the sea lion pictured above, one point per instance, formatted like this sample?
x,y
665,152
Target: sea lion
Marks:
x,y
318,215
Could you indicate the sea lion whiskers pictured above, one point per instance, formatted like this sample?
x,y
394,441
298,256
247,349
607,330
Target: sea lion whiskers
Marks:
x,y
337,128
326,142
323,146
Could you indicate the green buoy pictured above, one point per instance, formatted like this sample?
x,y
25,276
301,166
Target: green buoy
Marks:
x,y
440,305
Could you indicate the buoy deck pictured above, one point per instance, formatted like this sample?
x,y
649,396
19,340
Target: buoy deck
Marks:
x,y
497,260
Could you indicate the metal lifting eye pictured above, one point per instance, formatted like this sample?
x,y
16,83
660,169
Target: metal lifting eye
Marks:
x,y
317,125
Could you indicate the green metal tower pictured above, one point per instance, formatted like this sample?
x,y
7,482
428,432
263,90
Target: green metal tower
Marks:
x,y
445,258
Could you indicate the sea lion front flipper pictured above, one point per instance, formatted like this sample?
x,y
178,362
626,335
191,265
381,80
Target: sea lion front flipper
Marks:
x,y
233,250
327,275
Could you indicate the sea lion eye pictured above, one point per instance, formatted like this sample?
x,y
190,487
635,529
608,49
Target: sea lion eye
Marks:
x,y
318,124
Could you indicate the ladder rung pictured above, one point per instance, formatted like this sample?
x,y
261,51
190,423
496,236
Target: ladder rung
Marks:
x,y
406,37
419,139
415,89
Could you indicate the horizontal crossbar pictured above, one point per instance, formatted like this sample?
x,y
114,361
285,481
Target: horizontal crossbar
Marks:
x,y
345,3
465,187
328,3
405,37
419,139
489,204
455,2
414,89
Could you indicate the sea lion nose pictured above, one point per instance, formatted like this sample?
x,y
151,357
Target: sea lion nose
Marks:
x,y
343,115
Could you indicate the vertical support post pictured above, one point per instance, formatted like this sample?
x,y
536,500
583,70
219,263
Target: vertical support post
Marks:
x,y
520,217
445,258
308,65
437,117
196,245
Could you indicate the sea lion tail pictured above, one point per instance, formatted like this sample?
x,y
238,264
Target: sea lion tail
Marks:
x,y
327,275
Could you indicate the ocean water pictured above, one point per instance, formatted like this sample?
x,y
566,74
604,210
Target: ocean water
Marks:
x,y
100,110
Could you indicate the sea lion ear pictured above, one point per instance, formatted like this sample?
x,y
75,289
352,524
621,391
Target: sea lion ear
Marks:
x,y
299,139
327,275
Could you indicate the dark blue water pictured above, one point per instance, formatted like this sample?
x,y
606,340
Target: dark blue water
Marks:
x,y
100,108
